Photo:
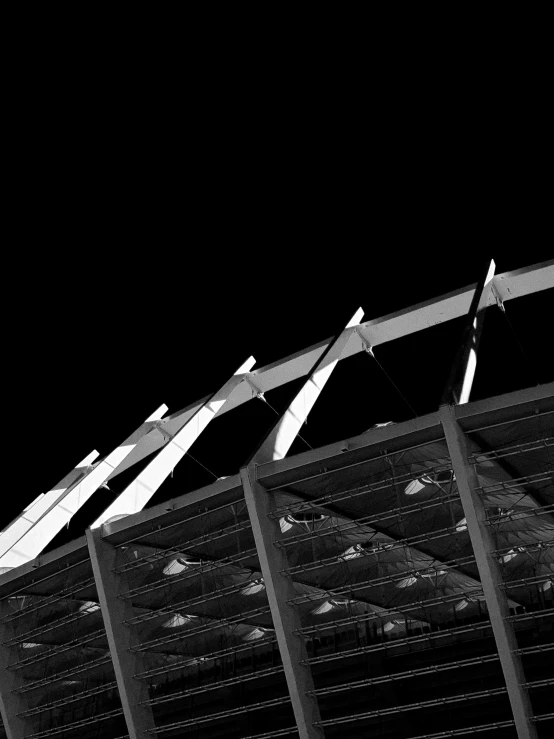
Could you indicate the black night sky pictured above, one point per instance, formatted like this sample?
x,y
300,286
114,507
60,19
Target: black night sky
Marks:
x,y
169,222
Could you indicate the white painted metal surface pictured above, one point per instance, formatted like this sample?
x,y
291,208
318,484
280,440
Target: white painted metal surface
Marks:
x,y
477,325
23,523
281,437
138,493
524,281
158,436
69,500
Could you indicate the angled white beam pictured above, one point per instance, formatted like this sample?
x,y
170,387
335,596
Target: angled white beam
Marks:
x,y
489,573
28,508
460,380
286,617
158,437
121,638
138,493
26,520
285,431
61,509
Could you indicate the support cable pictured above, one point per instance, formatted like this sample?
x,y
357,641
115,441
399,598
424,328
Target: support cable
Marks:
x,y
201,465
369,350
262,397
524,354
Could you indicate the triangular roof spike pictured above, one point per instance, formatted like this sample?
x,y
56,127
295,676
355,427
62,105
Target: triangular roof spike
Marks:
x,y
138,493
34,512
58,509
280,438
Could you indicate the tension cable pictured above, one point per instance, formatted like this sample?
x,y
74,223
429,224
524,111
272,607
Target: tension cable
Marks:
x,y
201,465
526,359
369,350
262,397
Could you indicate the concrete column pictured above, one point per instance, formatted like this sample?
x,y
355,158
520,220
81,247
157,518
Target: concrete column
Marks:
x,y
121,638
286,618
489,573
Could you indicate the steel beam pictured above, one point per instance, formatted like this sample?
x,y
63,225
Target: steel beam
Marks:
x,y
490,573
121,638
460,381
70,500
286,618
138,493
506,408
416,318
285,431
41,505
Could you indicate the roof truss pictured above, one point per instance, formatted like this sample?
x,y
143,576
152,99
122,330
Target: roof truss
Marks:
x,y
27,536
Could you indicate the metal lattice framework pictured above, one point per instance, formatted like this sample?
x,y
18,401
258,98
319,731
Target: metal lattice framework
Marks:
x,y
396,584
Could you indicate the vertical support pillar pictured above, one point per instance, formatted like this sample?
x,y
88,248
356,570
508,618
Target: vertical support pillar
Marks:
x,y
121,638
286,618
489,573
11,704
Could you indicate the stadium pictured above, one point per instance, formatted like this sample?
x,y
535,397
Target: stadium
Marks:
x,y
395,583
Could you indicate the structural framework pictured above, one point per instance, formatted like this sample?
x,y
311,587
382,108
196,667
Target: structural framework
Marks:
x,y
395,584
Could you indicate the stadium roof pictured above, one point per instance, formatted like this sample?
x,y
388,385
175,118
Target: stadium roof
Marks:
x,y
340,509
